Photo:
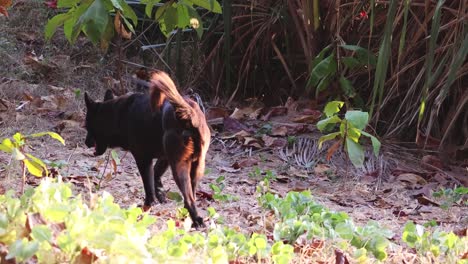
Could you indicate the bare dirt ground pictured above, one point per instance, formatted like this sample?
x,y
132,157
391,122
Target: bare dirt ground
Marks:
x,y
38,84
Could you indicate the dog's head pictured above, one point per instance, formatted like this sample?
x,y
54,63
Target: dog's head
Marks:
x,y
95,136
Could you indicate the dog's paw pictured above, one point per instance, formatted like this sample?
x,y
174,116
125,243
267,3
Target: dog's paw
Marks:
x,y
161,196
146,208
198,223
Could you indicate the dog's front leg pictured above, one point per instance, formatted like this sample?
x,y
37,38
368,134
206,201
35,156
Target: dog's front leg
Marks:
x,y
146,172
159,168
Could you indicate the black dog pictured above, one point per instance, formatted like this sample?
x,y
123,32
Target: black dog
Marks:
x,y
163,125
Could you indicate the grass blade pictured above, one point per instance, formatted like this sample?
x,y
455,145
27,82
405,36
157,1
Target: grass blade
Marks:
x,y
383,59
435,28
227,20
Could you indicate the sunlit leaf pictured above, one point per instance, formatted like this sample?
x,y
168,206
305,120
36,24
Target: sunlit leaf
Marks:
x,y
327,137
358,119
17,154
210,5
332,108
355,152
51,134
375,143
322,124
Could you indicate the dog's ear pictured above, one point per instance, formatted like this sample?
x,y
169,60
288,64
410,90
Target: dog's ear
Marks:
x,y
109,95
89,102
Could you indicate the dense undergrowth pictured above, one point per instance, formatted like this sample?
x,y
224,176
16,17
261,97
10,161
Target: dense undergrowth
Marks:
x,y
49,224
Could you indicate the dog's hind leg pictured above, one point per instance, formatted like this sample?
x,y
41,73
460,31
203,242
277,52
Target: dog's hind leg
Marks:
x,y
179,154
159,168
181,172
196,173
146,172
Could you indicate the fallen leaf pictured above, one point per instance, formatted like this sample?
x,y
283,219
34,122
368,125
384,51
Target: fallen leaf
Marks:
x,y
252,142
120,28
244,163
275,111
411,178
204,195
331,150
424,200
227,169
250,112
279,131
274,142
216,112
233,125
431,162
322,169
306,119
340,257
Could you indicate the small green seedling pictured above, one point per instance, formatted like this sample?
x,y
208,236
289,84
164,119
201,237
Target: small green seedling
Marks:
x,y
450,197
351,127
16,147
218,189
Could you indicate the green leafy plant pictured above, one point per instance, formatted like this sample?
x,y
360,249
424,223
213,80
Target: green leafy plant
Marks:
x,y
327,68
300,215
94,18
435,242
16,147
351,127
218,188
450,196
266,175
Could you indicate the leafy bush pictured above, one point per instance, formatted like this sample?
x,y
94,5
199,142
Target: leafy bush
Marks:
x,y
16,147
436,244
300,215
351,128
52,225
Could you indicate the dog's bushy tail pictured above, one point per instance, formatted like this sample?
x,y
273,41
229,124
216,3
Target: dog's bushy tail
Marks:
x,y
162,87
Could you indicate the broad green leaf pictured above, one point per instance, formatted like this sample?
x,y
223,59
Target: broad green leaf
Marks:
x,y
41,233
211,5
322,124
183,18
350,62
327,137
115,157
353,133
375,143
347,87
358,119
38,162
17,154
149,6
6,146
54,23
323,69
364,56
94,20
116,4
323,84
332,108
355,152
167,18
195,21
19,139
320,56
51,134
33,167
128,12
107,35
66,3
345,230
161,10
175,196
